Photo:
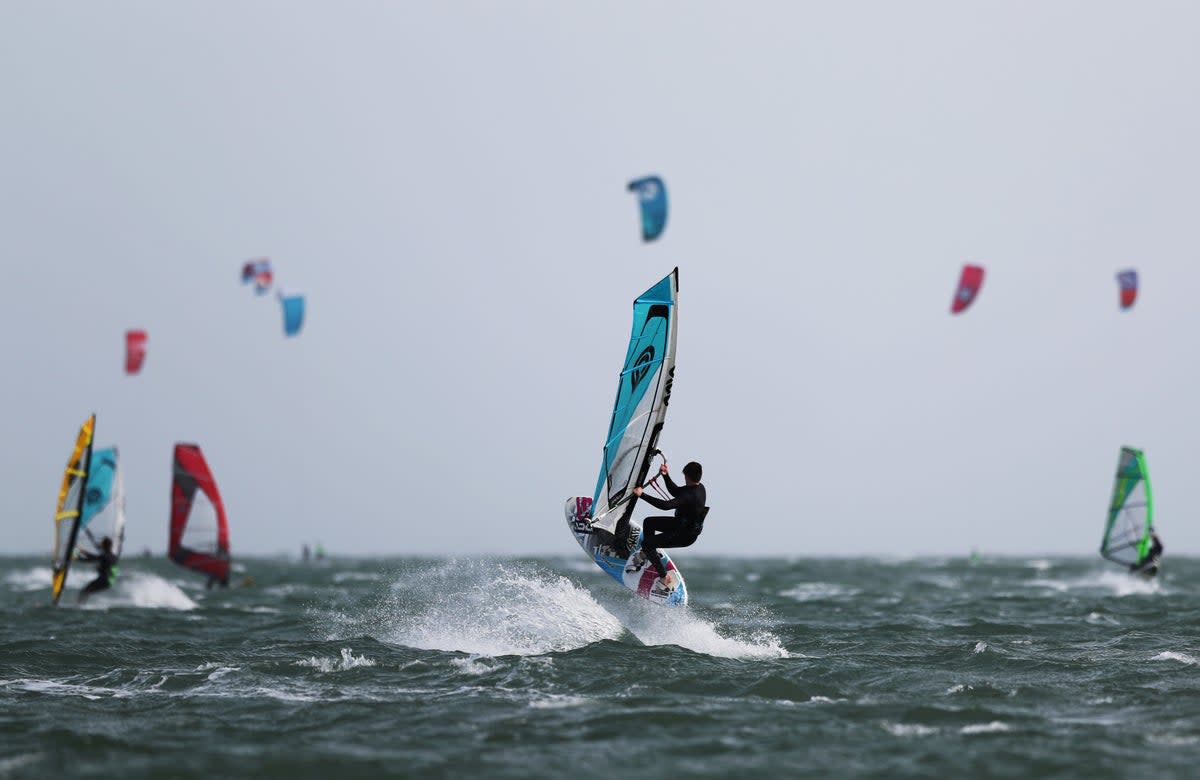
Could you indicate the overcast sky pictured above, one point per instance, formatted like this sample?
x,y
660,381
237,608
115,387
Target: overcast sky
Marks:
x,y
446,183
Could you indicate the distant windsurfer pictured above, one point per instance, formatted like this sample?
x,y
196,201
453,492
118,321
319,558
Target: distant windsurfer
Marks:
x,y
1149,563
684,528
106,564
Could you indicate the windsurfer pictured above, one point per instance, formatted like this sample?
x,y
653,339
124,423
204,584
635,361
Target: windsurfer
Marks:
x,y
106,564
681,530
1153,555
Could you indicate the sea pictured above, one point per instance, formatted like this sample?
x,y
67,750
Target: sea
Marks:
x,y
544,668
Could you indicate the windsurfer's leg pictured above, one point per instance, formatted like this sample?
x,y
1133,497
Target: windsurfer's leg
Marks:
x,y
95,586
659,532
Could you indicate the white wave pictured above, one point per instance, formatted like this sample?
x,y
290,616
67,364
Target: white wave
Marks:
x,y
655,625
487,608
816,591
959,689
1116,582
55,688
37,578
908,729
472,666
824,700
980,647
995,727
1097,619
347,661
141,590
1039,564
208,666
1171,655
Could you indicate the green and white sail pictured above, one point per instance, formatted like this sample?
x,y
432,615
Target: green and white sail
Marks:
x,y
1131,512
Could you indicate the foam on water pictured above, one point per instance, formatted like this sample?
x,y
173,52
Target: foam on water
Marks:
x,y
29,580
1115,582
141,590
488,608
1171,655
995,727
348,660
55,688
655,625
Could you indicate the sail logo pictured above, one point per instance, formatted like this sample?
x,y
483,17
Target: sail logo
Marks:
x,y
641,367
667,387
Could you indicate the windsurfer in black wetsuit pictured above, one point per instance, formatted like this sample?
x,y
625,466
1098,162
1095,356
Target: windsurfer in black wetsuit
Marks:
x,y
681,530
1153,555
106,564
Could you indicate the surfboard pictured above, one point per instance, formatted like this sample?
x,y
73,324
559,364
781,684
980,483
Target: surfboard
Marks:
x,y
643,392
633,571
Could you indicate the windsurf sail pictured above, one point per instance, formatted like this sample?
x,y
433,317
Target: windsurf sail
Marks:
x,y
652,199
69,510
1130,513
643,392
103,503
199,537
135,350
1128,282
293,313
969,284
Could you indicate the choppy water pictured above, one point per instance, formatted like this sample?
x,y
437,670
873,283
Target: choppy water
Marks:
x,y
544,668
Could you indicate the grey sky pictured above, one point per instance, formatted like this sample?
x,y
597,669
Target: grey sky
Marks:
x,y
445,181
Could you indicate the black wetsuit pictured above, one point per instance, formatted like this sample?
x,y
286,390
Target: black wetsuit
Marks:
x,y
1155,552
678,531
106,562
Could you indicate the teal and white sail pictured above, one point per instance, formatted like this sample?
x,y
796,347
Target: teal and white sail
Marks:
x,y
104,502
643,391
1131,512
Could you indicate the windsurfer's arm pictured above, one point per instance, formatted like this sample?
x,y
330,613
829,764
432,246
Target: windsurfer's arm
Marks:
x,y
672,488
657,502
86,556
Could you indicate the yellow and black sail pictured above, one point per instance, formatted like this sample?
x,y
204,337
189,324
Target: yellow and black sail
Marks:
x,y
70,504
